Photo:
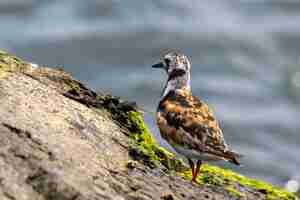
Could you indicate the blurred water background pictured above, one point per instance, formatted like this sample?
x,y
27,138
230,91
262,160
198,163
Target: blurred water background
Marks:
x,y
244,54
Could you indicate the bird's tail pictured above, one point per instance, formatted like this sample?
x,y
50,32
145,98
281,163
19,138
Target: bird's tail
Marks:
x,y
233,157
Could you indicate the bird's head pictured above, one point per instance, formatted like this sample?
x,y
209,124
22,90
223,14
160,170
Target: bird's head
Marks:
x,y
175,63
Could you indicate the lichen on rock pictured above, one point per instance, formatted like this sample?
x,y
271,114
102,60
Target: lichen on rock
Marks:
x,y
146,146
9,63
236,183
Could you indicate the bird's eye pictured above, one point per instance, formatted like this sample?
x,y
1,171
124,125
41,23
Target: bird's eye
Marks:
x,y
167,61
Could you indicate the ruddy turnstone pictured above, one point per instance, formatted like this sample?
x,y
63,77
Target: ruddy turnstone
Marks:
x,y
185,121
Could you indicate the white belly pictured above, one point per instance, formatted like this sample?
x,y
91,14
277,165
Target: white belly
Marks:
x,y
195,155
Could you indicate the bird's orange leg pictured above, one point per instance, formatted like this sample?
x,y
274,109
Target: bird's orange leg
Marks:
x,y
191,163
197,171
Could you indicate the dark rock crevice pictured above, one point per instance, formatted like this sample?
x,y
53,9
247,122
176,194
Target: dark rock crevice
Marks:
x,y
51,187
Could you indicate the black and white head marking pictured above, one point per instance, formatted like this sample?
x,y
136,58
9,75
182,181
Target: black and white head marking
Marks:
x,y
176,63
178,69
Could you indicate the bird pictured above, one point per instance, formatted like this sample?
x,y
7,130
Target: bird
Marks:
x,y
185,121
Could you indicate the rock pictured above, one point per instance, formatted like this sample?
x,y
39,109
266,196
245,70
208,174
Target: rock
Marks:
x,y
60,140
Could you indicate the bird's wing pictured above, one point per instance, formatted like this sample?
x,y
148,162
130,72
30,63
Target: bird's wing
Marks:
x,y
196,126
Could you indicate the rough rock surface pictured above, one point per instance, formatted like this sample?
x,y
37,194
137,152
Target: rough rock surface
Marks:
x,y
61,141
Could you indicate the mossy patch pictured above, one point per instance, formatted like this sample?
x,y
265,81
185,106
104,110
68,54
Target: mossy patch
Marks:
x,y
232,190
142,135
220,177
147,145
10,63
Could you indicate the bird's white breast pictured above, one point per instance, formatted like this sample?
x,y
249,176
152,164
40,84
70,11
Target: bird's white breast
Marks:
x,y
195,155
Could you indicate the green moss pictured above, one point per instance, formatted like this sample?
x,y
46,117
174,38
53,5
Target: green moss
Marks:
x,y
69,84
235,192
9,63
144,139
147,145
216,176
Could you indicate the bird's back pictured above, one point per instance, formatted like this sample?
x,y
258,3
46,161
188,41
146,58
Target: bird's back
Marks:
x,y
189,126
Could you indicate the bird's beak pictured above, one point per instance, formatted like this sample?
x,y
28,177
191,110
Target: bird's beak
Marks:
x,y
158,65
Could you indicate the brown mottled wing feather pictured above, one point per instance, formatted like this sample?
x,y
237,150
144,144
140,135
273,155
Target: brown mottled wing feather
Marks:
x,y
199,129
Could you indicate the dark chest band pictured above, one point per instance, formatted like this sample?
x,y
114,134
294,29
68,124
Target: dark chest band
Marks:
x,y
176,73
